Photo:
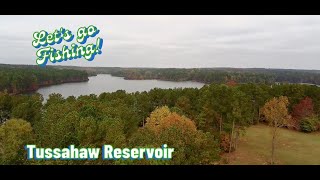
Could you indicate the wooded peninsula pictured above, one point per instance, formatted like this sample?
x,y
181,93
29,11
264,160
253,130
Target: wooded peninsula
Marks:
x,y
16,79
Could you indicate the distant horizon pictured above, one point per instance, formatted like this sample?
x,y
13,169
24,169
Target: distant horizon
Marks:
x,y
61,65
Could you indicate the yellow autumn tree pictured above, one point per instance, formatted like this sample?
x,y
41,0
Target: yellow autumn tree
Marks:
x,y
181,122
276,114
162,118
157,116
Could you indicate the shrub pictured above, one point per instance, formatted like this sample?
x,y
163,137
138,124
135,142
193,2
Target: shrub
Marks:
x,y
294,124
309,124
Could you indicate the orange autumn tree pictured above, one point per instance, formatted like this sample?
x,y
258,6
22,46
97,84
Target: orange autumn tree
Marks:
x,y
191,145
276,113
231,83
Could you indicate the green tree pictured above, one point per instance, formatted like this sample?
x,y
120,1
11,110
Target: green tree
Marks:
x,y
57,127
14,135
5,106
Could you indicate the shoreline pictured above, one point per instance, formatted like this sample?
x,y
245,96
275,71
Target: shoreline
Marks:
x,y
38,86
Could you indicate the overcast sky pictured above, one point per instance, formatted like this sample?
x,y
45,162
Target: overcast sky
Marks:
x,y
176,41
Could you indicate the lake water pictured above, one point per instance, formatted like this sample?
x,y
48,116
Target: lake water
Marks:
x,y
107,83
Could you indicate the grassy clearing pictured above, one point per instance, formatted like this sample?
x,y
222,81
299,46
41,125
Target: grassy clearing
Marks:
x,y
293,148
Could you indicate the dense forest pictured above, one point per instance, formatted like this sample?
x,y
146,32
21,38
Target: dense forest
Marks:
x,y
210,75
17,79
199,123
223,75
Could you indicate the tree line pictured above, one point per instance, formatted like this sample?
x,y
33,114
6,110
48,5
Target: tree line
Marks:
x,y
209,75
199,123
218,75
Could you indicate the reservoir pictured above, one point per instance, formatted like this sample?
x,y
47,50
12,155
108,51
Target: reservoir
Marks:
x,y
107,83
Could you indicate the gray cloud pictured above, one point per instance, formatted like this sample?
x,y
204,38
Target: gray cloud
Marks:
x,y
177,41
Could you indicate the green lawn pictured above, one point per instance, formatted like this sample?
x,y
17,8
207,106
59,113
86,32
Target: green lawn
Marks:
x,y
292,148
